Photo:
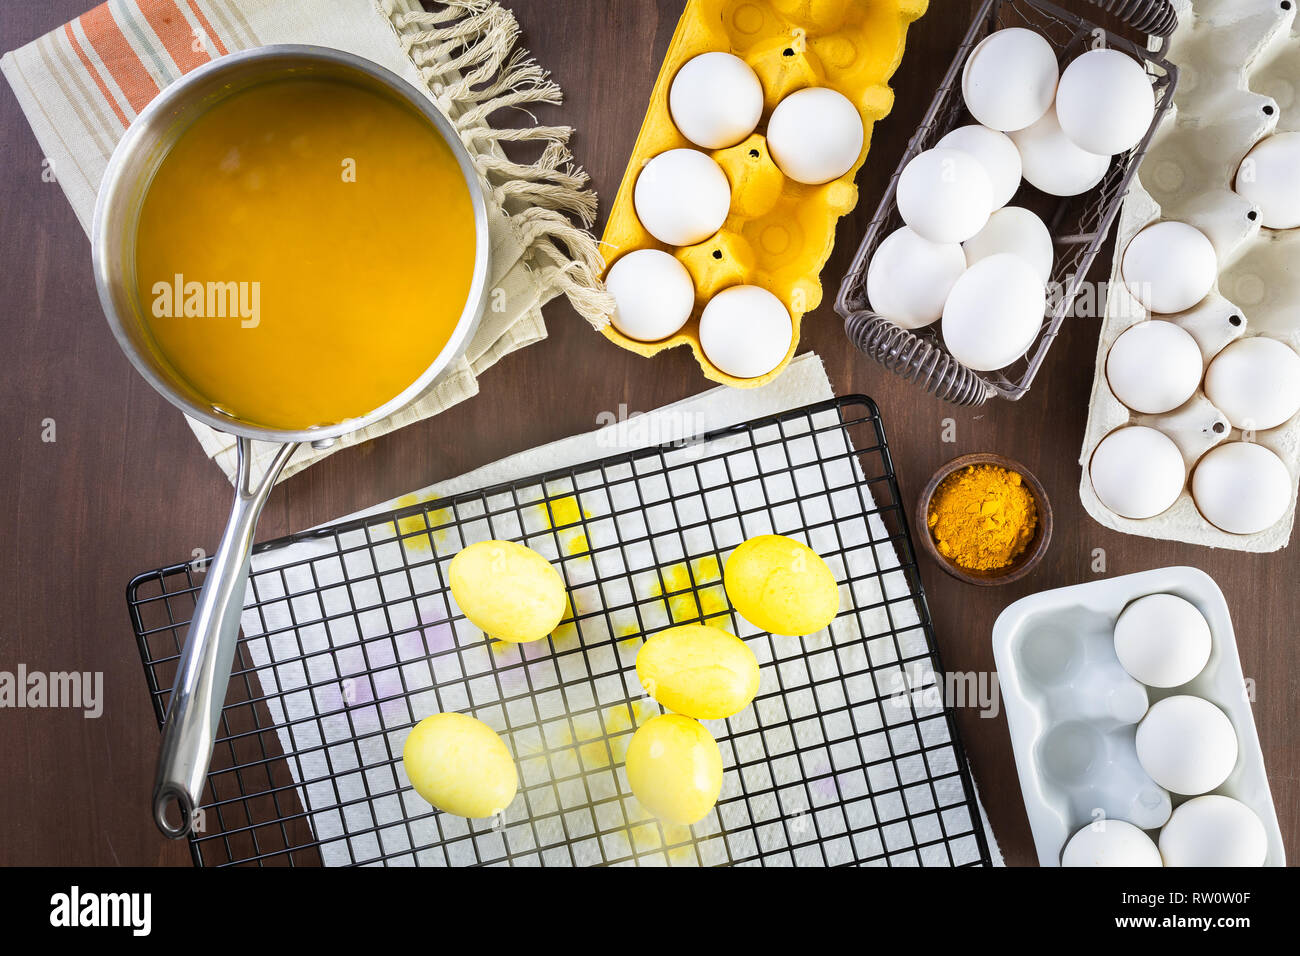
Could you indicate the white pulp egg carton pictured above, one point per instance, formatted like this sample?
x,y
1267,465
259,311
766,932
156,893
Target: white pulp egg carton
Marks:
x,y
1073,710
1239,81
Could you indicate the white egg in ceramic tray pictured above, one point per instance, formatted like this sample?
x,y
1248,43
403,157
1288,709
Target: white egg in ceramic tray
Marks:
x,y
1224,164
1091,740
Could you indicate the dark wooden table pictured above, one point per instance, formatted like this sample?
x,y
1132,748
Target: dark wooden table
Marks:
x,y
125,487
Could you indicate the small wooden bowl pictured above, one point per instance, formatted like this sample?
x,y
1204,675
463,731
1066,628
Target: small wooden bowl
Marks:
x,y
1028,558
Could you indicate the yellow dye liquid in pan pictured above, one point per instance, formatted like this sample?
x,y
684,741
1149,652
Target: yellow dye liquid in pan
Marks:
x,y
305,251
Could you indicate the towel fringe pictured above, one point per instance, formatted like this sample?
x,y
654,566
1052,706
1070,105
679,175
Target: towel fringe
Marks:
x,y
465,51
540,222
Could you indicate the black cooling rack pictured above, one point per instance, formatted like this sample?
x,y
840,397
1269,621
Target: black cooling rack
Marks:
x,y
350,637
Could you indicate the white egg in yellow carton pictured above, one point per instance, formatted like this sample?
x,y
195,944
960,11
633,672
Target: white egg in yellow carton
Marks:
x,y
1205,244
757,124
1129,725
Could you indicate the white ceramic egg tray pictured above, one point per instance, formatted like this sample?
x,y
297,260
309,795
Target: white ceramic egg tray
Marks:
x,y
1239,69
1070,707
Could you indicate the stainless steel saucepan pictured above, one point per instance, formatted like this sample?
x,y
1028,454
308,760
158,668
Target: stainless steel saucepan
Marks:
x,y
204,671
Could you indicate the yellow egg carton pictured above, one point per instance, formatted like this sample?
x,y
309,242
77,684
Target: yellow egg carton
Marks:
x,y
778,233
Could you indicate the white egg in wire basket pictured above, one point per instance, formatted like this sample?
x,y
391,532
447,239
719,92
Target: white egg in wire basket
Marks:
x,y
944,195
1009,79
996,153
1105,102
909,278
1053,163
1018,231
994,312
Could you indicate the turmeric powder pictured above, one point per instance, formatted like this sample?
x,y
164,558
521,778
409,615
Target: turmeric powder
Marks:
x,y
982,517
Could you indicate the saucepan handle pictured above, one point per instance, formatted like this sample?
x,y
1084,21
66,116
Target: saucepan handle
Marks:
x,y
204,671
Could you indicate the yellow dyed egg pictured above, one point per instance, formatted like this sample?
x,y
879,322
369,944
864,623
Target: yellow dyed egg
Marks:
x,y
675,768
699,671
508,590
460,765
781,586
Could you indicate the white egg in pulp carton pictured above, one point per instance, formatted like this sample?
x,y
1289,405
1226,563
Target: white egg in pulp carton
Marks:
x,y
1076,715
1207,231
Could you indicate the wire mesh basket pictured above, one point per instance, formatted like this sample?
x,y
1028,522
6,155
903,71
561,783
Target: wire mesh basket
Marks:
x,y
846,756
1078,224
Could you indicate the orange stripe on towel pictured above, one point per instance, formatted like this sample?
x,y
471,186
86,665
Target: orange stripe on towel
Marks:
x,y
118,57
171,27
94,75
207,27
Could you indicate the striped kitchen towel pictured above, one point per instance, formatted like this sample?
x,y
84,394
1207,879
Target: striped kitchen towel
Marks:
x,y
82,84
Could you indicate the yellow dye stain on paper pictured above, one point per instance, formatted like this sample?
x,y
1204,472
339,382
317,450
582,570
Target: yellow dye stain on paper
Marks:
x,y
421,538
564,511
600,738
629,636
566,635
561,512
646,839
706,569
705,576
